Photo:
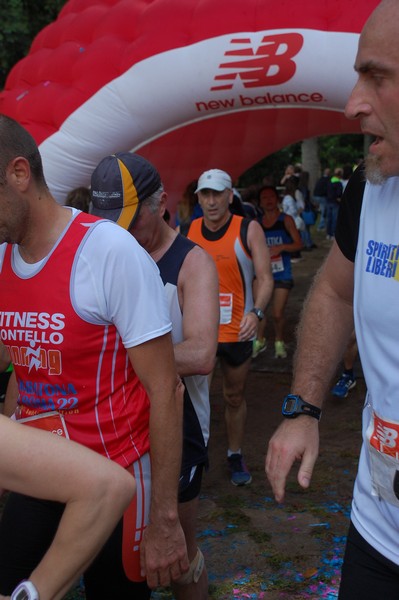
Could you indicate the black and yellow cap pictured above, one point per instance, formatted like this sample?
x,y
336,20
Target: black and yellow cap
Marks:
x,y
119,183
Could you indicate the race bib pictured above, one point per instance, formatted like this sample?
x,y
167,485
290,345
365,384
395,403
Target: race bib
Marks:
x,y
52,421
226,308
383,439
277,263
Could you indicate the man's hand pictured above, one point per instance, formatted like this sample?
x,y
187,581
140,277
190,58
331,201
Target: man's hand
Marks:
x,y
295,439
163,554
248,327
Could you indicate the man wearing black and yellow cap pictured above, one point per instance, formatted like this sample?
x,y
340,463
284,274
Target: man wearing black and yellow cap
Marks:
x,y
119,184
191,285
78,290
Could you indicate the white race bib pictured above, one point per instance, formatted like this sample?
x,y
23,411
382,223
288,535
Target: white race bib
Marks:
x,y
226,308
383,445
51,421
277,263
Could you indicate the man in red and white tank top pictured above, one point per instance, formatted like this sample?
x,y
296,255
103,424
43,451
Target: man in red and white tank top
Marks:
x,y
84,317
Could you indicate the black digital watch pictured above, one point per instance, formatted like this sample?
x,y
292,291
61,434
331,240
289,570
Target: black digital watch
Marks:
x,y
293,406
258,312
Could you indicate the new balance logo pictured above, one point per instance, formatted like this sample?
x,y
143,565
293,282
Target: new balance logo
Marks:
x,y
271,64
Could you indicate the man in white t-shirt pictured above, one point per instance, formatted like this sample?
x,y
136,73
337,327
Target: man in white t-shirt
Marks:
x,y
358,285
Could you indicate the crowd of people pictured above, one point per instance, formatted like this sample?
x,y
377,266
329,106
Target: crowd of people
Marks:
x,y
200,322
118,358
217,319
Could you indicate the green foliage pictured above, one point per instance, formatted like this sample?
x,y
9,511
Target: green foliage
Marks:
x,y
273,165
338,150
20,21
334,151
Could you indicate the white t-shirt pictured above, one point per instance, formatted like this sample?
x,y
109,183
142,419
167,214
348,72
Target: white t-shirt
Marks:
x,y
300,200
375,508
290,208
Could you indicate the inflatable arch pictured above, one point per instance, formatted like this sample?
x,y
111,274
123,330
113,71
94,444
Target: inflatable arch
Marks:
x,y
189,84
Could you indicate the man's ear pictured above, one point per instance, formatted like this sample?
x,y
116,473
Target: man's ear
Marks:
x,y
18,172
162,203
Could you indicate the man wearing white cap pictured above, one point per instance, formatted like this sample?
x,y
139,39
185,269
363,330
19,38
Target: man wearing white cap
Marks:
x,y
239,250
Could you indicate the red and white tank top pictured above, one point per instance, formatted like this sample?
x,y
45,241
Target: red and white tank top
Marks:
x,y
66,364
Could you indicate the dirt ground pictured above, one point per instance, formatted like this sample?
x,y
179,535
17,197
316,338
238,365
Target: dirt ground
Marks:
x,y
253,547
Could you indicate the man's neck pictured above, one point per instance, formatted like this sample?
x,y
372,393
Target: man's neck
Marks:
x,y
42,236
163,242
216,225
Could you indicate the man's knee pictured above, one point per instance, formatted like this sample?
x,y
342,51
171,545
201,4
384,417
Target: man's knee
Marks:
x,y
234,400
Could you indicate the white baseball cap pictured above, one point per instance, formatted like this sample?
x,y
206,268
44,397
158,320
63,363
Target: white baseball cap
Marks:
x,y
214,179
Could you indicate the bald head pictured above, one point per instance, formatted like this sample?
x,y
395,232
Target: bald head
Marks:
x,y
383,20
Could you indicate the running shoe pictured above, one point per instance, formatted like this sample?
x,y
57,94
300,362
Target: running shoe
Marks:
x,y
344,384
279,349
258,346
239,474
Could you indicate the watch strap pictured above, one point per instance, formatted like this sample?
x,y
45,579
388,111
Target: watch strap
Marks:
x,y
311,410
258,312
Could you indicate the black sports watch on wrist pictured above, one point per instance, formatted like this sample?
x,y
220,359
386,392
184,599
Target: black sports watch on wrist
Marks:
x,y
293,406
258,312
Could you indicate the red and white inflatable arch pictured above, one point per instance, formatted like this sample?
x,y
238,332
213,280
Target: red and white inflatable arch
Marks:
x,y
189,84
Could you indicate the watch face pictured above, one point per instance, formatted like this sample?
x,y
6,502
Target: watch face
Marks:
x,y
22,595
294,405
289,405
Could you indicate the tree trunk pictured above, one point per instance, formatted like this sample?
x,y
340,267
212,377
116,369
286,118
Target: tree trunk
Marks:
x,y
311,160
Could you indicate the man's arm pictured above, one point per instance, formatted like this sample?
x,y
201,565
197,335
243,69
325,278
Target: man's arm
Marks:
x,y
10,401
11,396
96,492
198,289
263,289
4,357
163,550
325,327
